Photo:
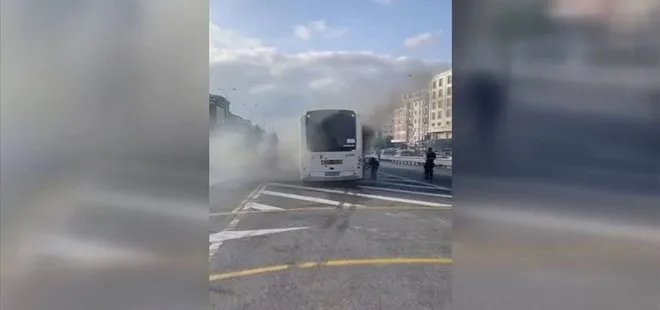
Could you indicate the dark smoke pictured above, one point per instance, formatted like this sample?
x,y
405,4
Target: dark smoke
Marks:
x,y
368,134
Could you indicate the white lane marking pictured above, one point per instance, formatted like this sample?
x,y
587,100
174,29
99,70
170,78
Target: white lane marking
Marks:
x,y
417,182
261,207
311,199
218,238
214,246
404,191
255,194
406,185
396,199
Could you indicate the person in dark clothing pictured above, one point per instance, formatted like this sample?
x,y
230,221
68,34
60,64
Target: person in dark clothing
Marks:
x,y
429,164
373,165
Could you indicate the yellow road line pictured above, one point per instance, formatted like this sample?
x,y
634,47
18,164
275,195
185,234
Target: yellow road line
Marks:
x,y
333,263
331,208
378,261
247,272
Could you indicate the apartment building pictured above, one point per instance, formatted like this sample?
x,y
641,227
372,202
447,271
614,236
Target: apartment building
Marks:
x,y
440,106
387,130
417,105
400,124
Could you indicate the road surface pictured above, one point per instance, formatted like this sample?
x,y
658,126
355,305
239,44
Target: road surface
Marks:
x,y
382,244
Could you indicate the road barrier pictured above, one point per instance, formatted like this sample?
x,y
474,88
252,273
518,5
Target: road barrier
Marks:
x,y
415,161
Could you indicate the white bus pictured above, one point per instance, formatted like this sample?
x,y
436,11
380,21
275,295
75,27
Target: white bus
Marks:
x,y
330,146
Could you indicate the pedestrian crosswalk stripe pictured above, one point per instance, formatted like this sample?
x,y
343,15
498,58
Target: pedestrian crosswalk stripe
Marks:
x,y
233,234
307,198
260,207
349,193
404,191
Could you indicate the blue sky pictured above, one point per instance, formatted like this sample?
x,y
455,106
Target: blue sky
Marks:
x,y
365,24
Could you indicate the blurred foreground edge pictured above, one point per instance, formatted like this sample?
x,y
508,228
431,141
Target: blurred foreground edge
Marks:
x,y
556,165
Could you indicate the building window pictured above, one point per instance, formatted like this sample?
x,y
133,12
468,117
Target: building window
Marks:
x,y
433,115
449,102
440,93
440,81
449,91
449,79
448,114
434,84
433,95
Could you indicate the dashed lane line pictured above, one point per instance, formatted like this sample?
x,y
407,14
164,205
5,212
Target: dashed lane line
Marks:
x,y
365,208
395,199
404,191
214,246
333,263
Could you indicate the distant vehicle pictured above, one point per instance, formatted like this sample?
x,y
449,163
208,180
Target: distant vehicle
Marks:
x,y
331,146
406,153
388,152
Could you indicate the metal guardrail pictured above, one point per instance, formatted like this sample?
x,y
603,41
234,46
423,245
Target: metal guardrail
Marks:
x,y
416,161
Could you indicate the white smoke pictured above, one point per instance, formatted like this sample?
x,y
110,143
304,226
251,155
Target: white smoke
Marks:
x,y
235,156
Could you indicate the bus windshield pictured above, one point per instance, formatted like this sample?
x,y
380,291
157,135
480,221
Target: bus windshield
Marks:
x,y
331,131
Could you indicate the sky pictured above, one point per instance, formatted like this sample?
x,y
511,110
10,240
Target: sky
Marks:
x,y
274,59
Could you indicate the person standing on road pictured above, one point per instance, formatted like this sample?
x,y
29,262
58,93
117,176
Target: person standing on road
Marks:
x,y
429,164
373,165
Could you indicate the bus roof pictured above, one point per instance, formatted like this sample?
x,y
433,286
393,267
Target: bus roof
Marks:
x,y
330,110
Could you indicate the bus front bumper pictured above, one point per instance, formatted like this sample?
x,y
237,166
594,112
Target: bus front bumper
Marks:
x,y
323,178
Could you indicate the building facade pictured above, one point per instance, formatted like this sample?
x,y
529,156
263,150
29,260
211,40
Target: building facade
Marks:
x,y
218,110
387,130
426,114
440,107
400,124
417,105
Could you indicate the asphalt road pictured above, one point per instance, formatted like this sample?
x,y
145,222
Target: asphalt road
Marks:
x,y
382,244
